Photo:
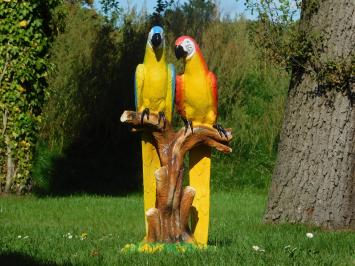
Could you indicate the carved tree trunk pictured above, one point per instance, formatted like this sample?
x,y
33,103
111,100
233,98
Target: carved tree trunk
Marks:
x,y
168,222
314,179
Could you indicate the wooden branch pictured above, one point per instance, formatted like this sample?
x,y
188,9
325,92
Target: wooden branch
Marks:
x,y
204,135
168,222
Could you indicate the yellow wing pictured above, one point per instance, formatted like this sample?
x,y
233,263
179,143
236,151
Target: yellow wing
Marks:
x,y
138,86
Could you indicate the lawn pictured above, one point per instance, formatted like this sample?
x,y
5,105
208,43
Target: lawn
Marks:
x,y
85,230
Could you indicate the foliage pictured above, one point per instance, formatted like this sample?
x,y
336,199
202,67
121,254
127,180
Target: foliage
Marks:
x,y
298,45
335,75
25,33
52,231
111,10
275,30
251,100
84,147
190,18
89,87
159,8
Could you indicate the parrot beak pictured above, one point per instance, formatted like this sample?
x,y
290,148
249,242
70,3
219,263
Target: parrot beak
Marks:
x,y
180,52
156,40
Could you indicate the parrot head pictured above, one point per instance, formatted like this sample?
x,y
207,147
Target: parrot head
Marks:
x,y
156,38
185,47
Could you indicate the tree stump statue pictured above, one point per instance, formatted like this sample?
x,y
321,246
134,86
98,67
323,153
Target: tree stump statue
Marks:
x,y
168,221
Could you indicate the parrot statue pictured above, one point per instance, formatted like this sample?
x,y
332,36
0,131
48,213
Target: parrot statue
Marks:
x,y
154,92
196,101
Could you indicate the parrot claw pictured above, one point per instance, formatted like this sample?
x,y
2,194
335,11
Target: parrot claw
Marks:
x,y
221,130
188,123
145,112
162,116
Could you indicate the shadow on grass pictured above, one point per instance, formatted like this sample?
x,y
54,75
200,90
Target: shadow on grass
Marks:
x,y
16,259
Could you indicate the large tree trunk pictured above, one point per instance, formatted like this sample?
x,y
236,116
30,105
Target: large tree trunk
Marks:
x,y
314,179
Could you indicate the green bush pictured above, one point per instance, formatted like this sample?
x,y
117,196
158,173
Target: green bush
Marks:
x,y
251,101
91,85
25,36
84,147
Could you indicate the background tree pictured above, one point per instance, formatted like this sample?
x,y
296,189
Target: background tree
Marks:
x,y
25,36
314,179
190,18
81,142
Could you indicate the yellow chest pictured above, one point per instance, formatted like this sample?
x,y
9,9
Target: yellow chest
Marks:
x,y
155,88
198,97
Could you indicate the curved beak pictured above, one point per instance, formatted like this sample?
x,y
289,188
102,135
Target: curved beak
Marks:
x,y
180,52
156,40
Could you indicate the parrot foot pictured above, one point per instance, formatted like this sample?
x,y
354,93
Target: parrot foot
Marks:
x,y
188,123
145,112
162,116
221,130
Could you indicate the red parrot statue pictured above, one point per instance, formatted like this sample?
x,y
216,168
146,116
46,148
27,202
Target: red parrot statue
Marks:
x,y
196,100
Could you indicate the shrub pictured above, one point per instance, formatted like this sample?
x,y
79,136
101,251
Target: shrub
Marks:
x,y
84,147
25,36
251,101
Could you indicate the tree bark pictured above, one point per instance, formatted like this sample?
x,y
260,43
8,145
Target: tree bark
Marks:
x,y
314,178
168,221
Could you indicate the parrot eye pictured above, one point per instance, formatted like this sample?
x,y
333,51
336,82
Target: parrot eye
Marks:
x,y
189,46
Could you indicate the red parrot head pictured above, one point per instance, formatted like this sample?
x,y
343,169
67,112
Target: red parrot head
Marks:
x,y
186,47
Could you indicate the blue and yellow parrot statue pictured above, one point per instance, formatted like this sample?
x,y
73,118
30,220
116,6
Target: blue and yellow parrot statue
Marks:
x,y
197,102
154,92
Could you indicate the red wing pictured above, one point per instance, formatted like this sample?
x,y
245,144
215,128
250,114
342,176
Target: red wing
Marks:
x,y
179,95
213,81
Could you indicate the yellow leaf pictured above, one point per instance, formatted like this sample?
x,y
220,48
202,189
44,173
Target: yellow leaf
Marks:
x,y
21,89
23,24
83,235
23,143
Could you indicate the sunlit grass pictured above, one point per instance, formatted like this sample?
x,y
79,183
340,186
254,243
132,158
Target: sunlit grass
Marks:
x,y
93,230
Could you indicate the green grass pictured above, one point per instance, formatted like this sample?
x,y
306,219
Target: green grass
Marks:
x,y
112,222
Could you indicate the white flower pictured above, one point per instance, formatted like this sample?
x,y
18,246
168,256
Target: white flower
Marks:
x,y
25,237
257,248
68,235
309,235
19,236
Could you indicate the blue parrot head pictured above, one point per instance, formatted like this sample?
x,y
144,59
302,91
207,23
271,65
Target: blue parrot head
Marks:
x,y
156,37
